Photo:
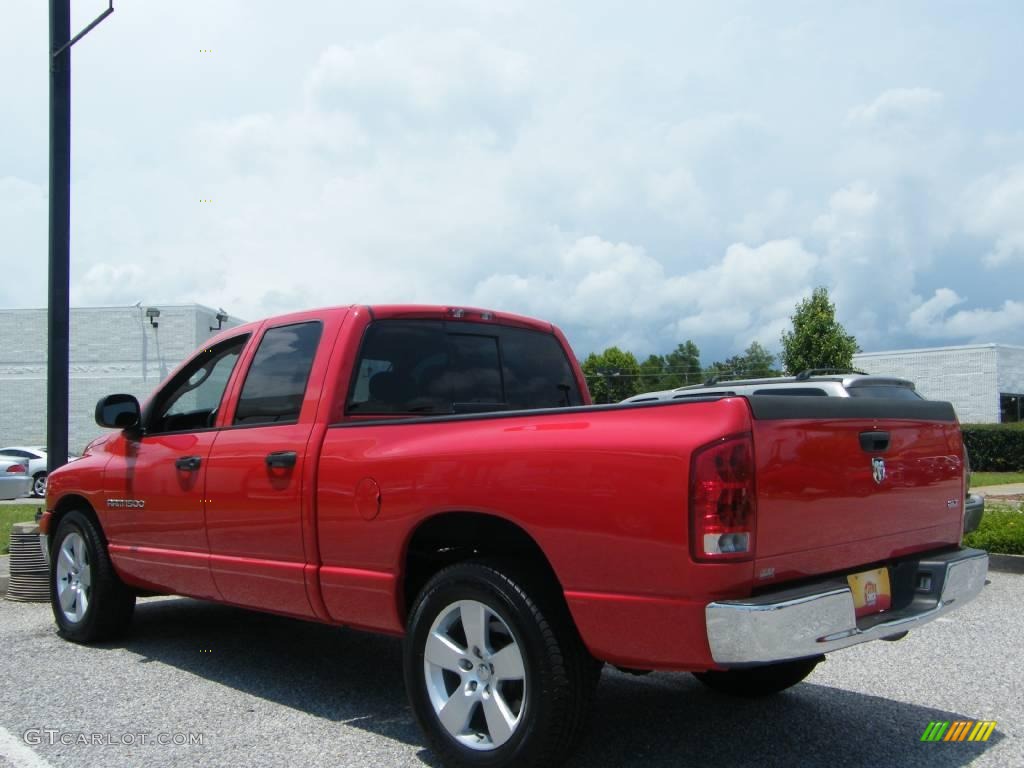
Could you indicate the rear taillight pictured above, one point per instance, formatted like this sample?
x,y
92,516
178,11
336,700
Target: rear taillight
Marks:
x,y
722,503
967,472
17,469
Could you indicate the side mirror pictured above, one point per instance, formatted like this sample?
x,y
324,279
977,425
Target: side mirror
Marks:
x,y
118,412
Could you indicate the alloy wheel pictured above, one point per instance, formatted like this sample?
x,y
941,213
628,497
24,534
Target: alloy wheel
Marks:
x,y
475,676
74,577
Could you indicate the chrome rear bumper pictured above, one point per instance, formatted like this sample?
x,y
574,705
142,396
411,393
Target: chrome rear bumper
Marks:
x,y
974,510
819,618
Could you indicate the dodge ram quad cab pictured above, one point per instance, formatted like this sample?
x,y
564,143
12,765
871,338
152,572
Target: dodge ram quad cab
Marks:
x,y
439,473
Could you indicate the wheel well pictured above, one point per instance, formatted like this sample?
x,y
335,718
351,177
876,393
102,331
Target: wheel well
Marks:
x,y
455,536
79,503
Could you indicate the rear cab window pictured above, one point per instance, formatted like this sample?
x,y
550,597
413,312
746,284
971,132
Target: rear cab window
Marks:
x,y
442,367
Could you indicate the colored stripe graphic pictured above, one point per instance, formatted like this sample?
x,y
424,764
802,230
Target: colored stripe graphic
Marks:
x,y
983,730
959,730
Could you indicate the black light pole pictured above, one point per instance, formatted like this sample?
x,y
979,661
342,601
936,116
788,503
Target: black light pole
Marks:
x,y
58,307
58,302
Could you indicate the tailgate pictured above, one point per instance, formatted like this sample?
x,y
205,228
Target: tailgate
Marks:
x,y
844,482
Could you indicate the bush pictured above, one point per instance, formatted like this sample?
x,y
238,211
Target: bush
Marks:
x,y
1001,531
995,447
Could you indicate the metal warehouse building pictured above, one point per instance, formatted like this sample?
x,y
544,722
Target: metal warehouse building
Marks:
x,y
985,382
113,349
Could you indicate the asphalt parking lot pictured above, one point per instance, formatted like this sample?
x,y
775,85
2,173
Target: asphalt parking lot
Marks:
x,y
262,690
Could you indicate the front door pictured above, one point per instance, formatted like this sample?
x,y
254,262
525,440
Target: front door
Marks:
x,y
155,482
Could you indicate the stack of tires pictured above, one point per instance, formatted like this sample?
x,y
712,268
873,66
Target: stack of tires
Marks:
x,y
29,574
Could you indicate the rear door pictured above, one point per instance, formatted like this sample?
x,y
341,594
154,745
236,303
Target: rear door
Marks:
x,y
257,482
843,482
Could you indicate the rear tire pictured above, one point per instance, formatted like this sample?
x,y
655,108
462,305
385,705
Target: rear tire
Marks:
x,y
89,601
759,681
495,670
38,485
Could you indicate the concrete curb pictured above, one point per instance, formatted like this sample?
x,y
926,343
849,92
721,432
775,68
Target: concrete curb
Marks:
x,y
1006,563
5,574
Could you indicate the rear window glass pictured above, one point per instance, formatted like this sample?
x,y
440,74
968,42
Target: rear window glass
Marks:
x,y
536,371
885,391
427,366
796,391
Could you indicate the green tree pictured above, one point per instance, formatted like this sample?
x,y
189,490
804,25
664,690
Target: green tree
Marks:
x,y
684,365
653,375
756,362
679,367
612,375
817,339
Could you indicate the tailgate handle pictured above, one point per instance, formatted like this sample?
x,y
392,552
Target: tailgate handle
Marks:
x,y
873,442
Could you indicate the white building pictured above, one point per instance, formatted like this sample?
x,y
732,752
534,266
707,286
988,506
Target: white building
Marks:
x,y
985,382
113,349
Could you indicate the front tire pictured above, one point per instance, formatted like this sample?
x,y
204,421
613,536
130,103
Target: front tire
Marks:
x,y
89,601
759,681
495,670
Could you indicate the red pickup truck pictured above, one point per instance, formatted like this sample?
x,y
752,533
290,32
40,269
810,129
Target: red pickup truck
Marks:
x,y
440,473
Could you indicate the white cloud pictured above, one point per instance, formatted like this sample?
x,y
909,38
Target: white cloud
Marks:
x,y
412,83
898,106
994,208
927,319
638,175
23,243
607,288
933,319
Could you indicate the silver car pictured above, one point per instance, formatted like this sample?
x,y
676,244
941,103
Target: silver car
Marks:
x,y
15,481
807,384
35,455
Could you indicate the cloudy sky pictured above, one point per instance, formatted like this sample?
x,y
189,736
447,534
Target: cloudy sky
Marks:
x,y
638,172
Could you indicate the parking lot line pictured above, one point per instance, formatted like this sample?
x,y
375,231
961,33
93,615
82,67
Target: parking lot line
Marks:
x,y
18,753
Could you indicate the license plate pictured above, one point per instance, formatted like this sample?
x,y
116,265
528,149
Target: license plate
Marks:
x,y
871,591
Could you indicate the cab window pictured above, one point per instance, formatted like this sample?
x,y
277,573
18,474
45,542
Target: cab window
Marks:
x,y
276,382
190,401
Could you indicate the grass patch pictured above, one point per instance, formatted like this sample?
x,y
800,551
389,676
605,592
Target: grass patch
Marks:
x,y
979,479
1001,530
9,515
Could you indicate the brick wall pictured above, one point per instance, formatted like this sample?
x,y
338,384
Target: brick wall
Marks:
x,y
1010,370
965,376
113,349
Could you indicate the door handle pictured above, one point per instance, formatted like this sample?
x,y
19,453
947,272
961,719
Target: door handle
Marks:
x,y
282,459
188,463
